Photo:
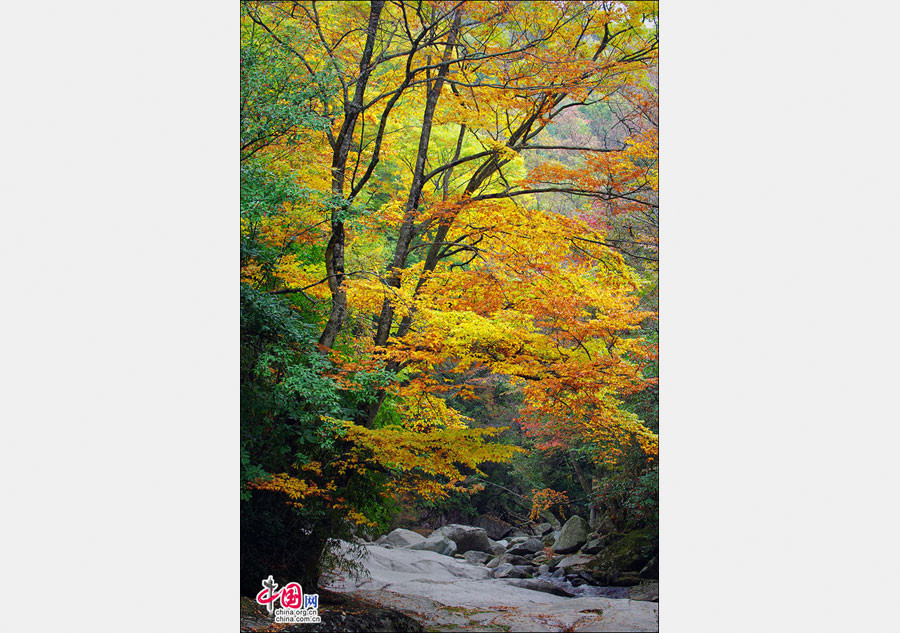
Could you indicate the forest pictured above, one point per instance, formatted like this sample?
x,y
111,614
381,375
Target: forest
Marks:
x,y
449,280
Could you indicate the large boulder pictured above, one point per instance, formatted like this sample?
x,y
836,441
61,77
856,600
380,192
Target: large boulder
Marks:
x,y
466,537
528,546
514,559
632,552
621,562
477,558
575,562
495,528
572,535
436,543
445,594
402,538
578,566
506,570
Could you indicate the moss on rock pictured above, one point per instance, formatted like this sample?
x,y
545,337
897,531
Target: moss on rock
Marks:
x,y
625,556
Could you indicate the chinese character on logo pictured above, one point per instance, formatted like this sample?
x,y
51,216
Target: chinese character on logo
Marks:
x,y
292,596
268,595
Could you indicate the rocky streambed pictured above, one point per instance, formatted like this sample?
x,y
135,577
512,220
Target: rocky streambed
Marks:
x,y
459,579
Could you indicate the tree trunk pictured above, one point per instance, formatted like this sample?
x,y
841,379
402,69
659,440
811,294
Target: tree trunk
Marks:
x,y
334,252
407,229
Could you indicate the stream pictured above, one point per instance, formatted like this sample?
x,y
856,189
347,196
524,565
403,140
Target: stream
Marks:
x,y
448,594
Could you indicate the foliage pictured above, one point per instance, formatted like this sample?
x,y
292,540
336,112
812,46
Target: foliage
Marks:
x,y
546,499
631,501
274,106
400,265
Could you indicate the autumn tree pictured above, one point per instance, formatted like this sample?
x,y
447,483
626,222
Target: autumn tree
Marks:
x,y
400,214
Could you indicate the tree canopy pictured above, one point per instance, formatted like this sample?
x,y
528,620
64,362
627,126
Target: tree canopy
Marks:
x,y
440,200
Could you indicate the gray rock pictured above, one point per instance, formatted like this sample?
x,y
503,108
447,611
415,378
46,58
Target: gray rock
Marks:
x,y
497,549
631,553
529,546
476,558
439,544
495,528
514,559
466,537
506,570
548,539
395,580
554,562
576,561
402,538
518,534
543,569
572,535
493,562
585,576
594,545
542,528
502,542
550,518
538,584
515,540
